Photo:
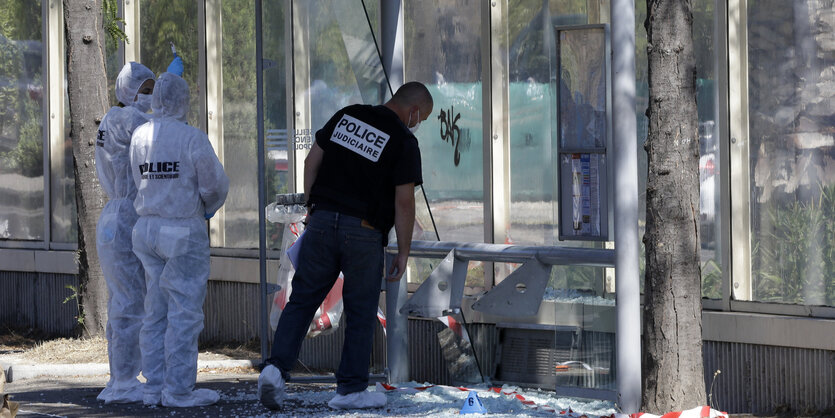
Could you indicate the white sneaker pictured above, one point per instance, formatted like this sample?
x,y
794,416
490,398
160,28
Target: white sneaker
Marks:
x,y
358,400
271,387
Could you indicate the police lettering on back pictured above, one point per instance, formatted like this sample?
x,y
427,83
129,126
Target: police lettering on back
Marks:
x,y
360,137
153,170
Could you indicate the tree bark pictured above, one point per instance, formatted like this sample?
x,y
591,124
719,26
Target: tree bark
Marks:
x,y
672,328
87,88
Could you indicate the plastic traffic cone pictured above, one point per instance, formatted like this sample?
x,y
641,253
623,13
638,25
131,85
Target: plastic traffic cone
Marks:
x,y
473,405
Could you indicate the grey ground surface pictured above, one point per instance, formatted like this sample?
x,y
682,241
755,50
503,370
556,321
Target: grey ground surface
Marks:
x,y
75,396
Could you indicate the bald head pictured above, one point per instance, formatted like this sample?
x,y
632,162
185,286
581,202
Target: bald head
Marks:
x,y
413,93
409,101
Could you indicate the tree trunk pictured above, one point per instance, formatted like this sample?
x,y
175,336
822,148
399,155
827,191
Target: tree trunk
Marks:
x,y
672,328
87,87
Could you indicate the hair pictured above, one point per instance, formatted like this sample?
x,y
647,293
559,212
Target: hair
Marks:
x,y
413,93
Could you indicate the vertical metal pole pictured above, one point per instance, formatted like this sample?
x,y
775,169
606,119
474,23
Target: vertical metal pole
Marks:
x,y
391,37
625,146
397,336
262,227
48,21
722,86
397,328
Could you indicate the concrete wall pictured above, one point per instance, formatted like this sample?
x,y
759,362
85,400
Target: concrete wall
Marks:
x,y
36,300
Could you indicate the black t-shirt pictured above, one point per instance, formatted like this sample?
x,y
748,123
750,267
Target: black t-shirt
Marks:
x,y
367,152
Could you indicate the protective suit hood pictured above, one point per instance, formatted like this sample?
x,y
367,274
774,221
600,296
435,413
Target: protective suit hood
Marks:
x,y
131,77
171,97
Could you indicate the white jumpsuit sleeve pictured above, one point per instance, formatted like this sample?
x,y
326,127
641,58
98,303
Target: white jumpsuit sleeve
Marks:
x,y
212,182
114,138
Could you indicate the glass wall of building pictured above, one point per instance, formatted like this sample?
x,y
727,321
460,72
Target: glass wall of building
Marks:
x,y
442,45
163,22
62,187
240,136
443,50
531,51
710,220
789,118
532,114
276,175
64,224
334,80
22,107
791,110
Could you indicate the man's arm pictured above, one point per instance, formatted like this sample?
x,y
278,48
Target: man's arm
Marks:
x,y
311,167
404,223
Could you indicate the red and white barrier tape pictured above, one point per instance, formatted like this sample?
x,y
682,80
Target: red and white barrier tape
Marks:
x,y
698,412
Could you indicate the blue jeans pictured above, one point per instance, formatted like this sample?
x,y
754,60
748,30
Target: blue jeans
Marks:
x,y
334,242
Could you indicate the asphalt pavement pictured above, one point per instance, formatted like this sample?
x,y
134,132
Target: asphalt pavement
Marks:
x,y
75,396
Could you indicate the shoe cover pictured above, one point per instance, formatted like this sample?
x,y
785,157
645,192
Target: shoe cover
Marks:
x,y
271,387
358,400
104,395
122,393
199,397
152,399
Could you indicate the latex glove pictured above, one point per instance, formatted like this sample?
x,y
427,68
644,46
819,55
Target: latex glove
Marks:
x,y
176,66
208,215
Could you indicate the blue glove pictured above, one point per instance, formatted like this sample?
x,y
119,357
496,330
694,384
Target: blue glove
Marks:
x,y
208,215
176,66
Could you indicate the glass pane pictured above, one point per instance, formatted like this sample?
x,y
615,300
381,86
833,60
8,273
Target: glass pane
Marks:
x,y
343,64
240,135
581,90
443,50
21,120
585,322
334,83
791,101
709,170
360,48
114,57
276,175
164,22
532,121
62,187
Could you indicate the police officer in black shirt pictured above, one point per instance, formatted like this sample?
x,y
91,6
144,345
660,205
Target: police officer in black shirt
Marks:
x,y
359,179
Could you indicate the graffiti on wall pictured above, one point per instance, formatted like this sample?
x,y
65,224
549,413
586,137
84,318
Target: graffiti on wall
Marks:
x,y
451,133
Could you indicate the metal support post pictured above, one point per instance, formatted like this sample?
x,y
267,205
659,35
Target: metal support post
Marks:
x,y
397,332
397,328
627,246
262,201
391,37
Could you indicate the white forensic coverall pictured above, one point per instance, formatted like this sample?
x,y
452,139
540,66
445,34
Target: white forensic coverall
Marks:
x,y
180,184
123,272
